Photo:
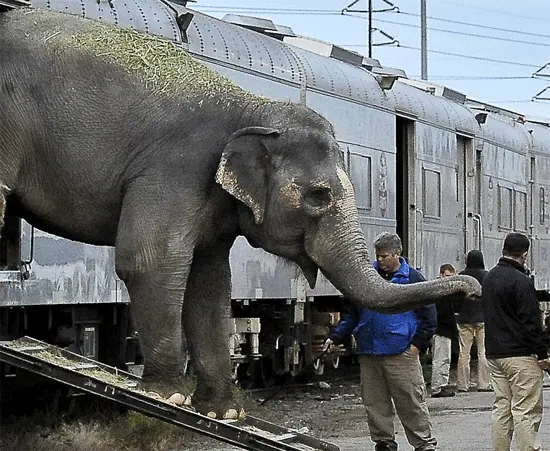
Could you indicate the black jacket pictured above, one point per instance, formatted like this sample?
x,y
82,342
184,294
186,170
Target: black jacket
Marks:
x,y
512,317
446,321
471,312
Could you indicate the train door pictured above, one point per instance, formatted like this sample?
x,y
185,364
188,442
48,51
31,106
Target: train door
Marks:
x,y
531,211
468,195
407,213
469,180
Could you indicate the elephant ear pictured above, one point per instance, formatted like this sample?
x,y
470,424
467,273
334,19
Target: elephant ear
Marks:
x,y
243,168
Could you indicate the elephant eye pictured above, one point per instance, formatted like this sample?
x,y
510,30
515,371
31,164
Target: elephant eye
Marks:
x,y
318,196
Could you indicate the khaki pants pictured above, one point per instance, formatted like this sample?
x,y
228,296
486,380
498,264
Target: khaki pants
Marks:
x,y
466,335
398,378
441,362
518,402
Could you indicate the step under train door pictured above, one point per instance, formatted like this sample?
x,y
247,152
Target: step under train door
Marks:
x,y
16,239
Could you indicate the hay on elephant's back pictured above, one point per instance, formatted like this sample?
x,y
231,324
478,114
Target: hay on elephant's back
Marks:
x,y
160,63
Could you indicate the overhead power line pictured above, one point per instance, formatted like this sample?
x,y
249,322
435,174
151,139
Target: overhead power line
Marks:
x,y
498,11
477,25
480,58
463,33
293,11
325,12
474,77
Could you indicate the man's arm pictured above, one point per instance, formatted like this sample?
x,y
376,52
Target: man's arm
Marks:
x,y
427,318
529,315
427,324
346,325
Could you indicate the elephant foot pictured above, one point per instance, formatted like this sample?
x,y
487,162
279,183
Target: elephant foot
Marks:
x,y
218,408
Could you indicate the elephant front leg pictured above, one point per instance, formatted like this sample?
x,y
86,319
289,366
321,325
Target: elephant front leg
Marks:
x,y
155,273
156,303
206,315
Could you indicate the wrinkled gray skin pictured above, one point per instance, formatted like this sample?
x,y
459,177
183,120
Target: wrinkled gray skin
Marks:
x,y
110,163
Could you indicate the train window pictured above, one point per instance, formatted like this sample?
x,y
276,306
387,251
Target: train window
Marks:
x,y
520,213
431,193
542,206
89,342
361,177
505,207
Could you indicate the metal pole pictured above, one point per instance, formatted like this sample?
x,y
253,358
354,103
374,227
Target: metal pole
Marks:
x,y
424,41
370,28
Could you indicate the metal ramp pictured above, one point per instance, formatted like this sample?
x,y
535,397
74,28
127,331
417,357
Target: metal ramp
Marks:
x,y
14,3
119,386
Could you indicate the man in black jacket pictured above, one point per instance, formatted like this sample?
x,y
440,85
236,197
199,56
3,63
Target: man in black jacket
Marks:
x,y
441,344
515,347
471,327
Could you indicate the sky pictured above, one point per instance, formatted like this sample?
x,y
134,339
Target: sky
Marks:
x,y
515,35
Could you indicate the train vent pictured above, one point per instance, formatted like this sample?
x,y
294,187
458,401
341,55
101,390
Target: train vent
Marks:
x,y
264,26
438,90
326,49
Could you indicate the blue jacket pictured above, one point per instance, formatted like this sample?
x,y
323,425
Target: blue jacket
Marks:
x,y
389,334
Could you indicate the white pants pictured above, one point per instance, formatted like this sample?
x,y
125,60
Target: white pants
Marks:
x,y
441,362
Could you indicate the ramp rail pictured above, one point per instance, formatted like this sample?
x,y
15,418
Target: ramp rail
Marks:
x,y
121,387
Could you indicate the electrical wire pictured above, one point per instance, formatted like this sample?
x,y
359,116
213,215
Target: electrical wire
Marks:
x,y
498,11
479,58
294,11
471,24
462,33
476,78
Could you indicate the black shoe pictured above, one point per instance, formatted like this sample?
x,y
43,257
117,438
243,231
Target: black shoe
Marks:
x,y
380,446
444,393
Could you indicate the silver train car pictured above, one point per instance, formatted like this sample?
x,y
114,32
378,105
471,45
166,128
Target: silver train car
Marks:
x,y
448,173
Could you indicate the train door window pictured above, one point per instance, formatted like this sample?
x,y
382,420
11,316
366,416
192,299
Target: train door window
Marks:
x,y
431,193
542,206
505,207
361,176
345,154
520,210
89,342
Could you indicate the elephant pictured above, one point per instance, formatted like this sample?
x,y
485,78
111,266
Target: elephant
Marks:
x,y
106,142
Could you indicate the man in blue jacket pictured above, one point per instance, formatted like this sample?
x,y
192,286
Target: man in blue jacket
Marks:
x,y
388,348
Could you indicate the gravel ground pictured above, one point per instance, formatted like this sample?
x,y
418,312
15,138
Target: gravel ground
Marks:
x,y
336,414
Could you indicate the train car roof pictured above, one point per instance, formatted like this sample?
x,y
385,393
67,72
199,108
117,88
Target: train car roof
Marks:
x,y
252,50
540,136
502,130
149,16
435,106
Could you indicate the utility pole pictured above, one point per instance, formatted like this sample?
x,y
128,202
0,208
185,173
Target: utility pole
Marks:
x,y
370,27
424,41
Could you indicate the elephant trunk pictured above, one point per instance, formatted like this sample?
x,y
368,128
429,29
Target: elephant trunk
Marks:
x,y
339,248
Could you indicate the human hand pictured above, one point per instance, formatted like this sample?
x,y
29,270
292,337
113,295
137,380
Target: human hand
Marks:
x,y
414,350
328,344
544,364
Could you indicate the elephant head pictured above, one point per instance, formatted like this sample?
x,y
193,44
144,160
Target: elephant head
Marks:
x,y
297,201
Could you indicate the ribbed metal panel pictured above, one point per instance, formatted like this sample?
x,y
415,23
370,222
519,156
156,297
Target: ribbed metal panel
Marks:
x,y
433,109
221,41
149,16
540,141
505,132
